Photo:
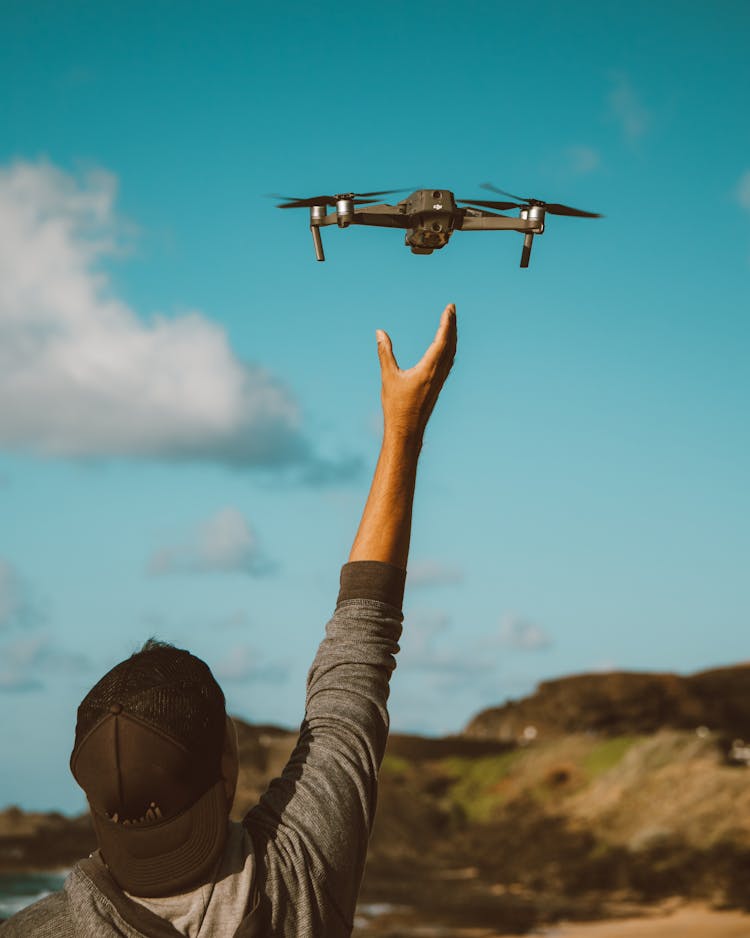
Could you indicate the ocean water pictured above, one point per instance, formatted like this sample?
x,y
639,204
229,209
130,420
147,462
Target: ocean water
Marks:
x,y
17,890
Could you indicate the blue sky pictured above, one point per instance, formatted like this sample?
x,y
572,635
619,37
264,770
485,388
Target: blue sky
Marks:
x,y
189,403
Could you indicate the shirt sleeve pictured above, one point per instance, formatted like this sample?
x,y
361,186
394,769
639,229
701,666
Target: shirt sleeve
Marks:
x,y
311,828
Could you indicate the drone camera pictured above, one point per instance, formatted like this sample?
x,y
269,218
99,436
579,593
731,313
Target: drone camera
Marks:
x,y
429,233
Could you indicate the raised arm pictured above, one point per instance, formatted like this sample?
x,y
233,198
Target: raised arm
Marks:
x,y
310,830
408,398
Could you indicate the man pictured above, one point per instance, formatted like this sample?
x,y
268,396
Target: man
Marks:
x,y
157,755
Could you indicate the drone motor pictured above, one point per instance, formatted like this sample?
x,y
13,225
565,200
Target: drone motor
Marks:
x,y
531,213
344,212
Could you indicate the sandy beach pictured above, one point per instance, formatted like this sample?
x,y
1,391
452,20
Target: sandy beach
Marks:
x,y
690,921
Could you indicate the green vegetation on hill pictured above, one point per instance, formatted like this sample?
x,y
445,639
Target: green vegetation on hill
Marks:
x,y
476,788
476,785
571,825
606,754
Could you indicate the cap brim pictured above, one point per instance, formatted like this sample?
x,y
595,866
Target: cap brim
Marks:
x,y
170,856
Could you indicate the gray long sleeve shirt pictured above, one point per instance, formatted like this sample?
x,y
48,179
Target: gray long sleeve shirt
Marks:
x,y
296,868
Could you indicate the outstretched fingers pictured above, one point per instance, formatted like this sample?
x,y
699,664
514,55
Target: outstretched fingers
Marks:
x,y
442,349
439,354
385,351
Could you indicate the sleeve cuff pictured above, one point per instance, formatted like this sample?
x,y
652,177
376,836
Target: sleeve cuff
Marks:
x,y
371,579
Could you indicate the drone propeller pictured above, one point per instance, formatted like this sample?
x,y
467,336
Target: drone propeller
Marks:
x,y
554,208
358,198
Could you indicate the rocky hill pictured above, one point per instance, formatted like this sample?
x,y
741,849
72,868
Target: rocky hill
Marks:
x,y
624,702
42,841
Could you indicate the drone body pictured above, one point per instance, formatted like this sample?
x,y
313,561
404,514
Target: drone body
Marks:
x,y
430,216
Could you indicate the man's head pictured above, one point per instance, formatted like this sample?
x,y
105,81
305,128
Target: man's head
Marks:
x,y
156,756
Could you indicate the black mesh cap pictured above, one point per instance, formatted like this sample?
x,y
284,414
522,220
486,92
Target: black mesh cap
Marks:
x,y
147,753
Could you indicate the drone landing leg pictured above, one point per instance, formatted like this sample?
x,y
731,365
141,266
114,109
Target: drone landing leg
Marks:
x,y
528,240
317,242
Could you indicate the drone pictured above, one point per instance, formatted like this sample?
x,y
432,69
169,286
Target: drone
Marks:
x,y
430,216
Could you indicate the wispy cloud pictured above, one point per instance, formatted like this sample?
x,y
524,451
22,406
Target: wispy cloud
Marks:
x,y
243,664
582,159
522,634
742,192
477,672
236,619
423,648
225,543
422,629
11,679
82,375
319,471
180,627
26,660
626,108
18,607
433,573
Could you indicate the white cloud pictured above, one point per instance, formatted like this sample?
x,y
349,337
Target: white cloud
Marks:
x,y
17,608
82,375
433,573
626,108
224,543
743,190
520,633
583,159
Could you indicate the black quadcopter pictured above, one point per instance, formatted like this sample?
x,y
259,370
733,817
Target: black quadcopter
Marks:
x,y
430,216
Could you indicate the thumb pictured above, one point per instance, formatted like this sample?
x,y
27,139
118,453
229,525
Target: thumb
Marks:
x,y
385,350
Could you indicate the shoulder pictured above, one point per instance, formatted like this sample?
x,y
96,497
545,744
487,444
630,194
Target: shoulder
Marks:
x,y
44,919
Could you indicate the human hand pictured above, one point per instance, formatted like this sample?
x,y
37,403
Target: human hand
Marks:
x,y
409,396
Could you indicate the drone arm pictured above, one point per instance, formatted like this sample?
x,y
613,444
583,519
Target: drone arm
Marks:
x,y
330,219
387,219
380,216
497,223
